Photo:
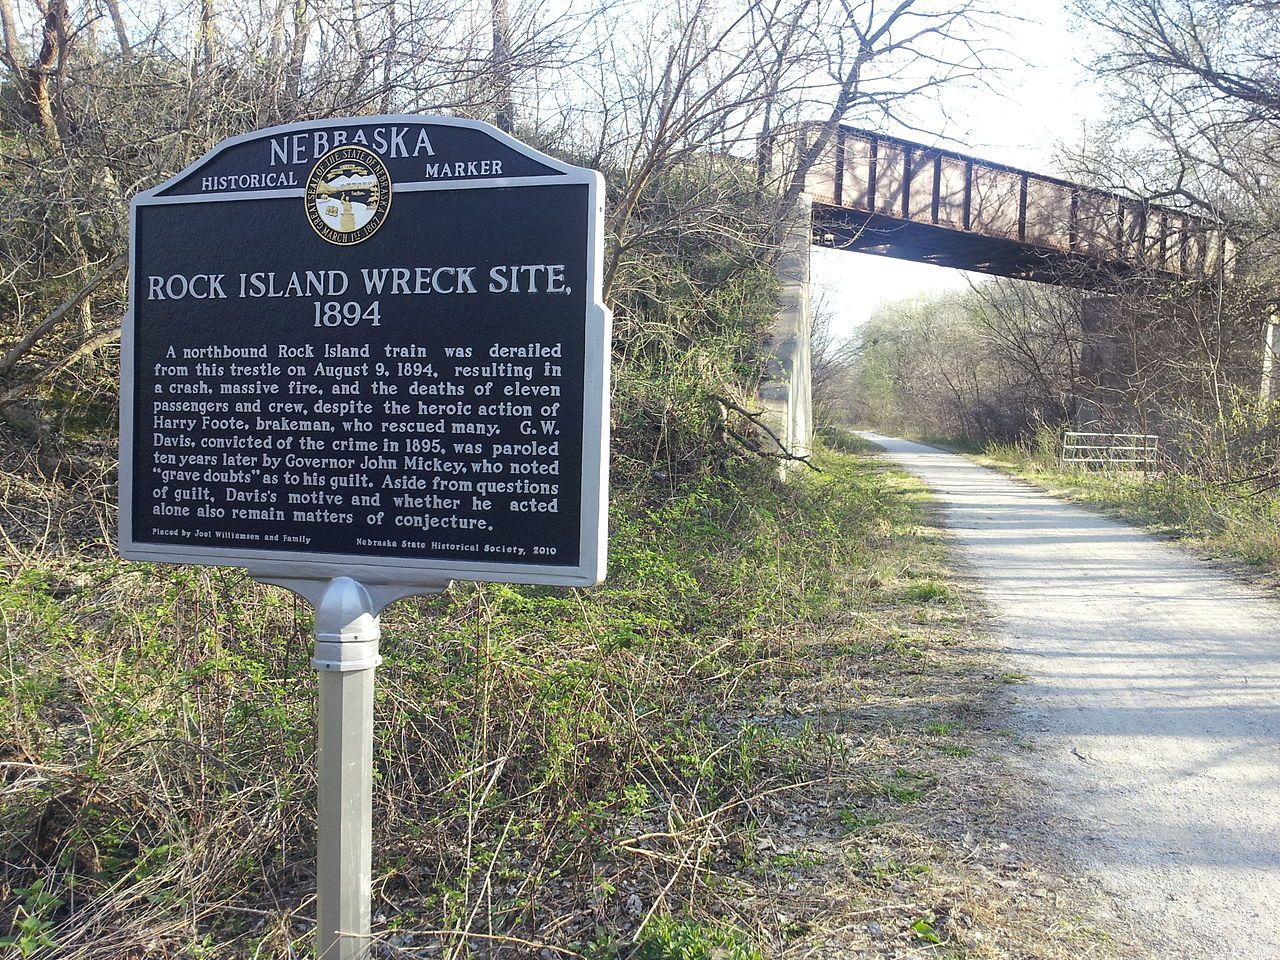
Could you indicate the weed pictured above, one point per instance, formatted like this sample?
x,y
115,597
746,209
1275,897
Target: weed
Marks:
x,y
32,926
666,938
927,591
894,869
795,860
856,821
636,799
924,930
906,787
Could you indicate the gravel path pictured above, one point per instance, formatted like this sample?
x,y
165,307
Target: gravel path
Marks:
x,y
1152,702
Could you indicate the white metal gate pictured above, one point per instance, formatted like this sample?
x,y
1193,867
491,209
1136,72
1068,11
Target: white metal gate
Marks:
x,y
1133,451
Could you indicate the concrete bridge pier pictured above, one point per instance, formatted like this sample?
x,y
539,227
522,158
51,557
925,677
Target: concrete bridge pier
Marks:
x,y
1271,358
786,389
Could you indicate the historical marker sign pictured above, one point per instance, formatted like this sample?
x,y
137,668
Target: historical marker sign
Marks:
x,y
371,347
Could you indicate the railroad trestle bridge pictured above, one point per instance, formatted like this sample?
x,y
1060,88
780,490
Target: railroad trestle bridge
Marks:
x,y
876,194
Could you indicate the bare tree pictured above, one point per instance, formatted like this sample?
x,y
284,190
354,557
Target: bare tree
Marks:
x,y
1195,100
671,104
1196,104
833,363
878,62
90,126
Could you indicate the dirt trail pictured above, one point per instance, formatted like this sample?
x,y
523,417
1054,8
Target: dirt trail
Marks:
x,y
1152,701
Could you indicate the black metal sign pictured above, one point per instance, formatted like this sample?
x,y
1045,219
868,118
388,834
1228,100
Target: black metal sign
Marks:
x,y
373,341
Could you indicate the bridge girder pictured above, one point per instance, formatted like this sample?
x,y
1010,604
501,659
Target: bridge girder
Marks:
x,y
892,197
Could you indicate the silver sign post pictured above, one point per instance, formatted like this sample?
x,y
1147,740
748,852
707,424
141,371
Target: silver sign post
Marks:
x,y
346,656
347,631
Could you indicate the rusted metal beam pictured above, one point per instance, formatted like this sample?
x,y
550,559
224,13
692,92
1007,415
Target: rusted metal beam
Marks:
x,y
1022,209
937,188
873,172
906,184
1073,219
838,193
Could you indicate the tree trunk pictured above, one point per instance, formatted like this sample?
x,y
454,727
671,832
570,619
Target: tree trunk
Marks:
x,y
13,56
40,100
393,45
297,54
505,111
117,21
207,36
38,95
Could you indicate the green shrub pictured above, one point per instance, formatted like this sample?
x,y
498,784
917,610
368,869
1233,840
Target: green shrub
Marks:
x,y
665,938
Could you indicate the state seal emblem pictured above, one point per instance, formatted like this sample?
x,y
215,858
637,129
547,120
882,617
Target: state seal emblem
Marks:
x,y
348,195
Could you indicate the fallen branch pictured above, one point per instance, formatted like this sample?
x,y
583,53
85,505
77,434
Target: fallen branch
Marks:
x,y
756,418
23,346
15,393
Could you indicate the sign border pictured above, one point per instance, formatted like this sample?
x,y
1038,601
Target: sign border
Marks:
x,y
392,570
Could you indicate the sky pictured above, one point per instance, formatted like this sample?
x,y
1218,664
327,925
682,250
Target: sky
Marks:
x,y
1037,106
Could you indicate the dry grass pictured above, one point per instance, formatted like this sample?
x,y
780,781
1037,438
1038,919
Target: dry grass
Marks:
x,y
767,735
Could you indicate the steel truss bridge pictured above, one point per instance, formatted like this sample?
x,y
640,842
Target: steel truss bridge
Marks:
x,y
884,195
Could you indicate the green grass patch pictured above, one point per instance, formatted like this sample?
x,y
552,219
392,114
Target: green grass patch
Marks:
x,y
665,938
895,870
846,441
927,591
906,786
858,821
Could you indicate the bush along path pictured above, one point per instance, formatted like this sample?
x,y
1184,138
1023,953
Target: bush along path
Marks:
x,y
767,736
1237,519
